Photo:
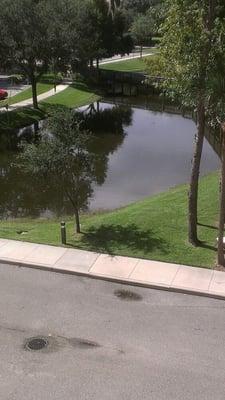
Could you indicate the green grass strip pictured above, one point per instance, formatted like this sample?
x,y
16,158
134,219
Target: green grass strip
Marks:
x,y
132,65
73,96
155,228
27,93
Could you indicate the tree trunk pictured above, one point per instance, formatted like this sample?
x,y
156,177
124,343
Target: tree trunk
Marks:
x,y
220,251
195,170
77,218
141,51
34,90
97,63
55,81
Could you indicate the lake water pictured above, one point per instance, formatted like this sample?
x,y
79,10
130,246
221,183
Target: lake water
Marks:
x,y
156,154
142,153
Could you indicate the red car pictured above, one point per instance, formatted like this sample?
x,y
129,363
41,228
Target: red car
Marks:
x,y
3,94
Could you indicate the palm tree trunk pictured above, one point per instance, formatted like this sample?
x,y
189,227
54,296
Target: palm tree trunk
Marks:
x,y
193,191
220,250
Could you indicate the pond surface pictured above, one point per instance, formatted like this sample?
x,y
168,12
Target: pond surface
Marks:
x,y
141,153
156,154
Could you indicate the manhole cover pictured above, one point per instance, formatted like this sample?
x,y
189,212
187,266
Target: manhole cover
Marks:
x,y
127,295
37,343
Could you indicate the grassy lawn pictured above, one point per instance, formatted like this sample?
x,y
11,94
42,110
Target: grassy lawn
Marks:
x,y
155,228
27,93
73,96
132,65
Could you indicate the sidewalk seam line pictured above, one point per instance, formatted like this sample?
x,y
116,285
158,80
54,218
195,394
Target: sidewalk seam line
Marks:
x,y
61,255
211,280
178,269
134,268
98,255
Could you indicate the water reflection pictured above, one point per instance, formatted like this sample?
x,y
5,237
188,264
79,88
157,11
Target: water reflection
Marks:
x,y
22,195
155,155
137,153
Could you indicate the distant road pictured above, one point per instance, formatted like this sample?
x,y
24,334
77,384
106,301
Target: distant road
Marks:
x,y
160,346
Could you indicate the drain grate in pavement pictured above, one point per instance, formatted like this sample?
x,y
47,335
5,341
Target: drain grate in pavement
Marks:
x,y
37,343
127,295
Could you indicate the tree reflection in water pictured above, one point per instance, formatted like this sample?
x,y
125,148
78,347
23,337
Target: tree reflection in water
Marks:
x,y
22,195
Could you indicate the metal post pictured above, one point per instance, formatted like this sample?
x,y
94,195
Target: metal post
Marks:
x,y
63,232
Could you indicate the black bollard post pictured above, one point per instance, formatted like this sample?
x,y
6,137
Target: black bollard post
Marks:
x,y
63,232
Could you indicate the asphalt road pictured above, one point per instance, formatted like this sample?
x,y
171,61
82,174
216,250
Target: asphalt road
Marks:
x,y
158,346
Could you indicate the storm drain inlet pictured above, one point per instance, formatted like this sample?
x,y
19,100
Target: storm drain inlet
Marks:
x,y
37,343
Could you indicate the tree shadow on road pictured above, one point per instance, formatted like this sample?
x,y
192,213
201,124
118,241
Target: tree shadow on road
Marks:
x,y
110,238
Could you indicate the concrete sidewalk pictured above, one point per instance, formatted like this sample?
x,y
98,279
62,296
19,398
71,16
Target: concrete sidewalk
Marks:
x,y
127,58
127,270
43,96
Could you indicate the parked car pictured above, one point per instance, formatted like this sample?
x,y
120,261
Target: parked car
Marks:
x,y
3,94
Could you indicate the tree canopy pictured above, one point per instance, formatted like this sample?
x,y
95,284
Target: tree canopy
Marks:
x,y
191,48
38,34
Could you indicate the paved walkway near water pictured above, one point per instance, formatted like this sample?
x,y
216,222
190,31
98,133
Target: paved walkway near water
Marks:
x,y
127,270
43,96
126,58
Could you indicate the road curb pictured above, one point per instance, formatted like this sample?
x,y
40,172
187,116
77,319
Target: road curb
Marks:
x,y
127,282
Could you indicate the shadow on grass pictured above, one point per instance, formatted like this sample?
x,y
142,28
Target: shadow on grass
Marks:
x,y
82,87
208,226
21,117
204,245
93,89
111,238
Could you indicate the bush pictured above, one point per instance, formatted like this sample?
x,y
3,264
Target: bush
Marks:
x,y
156,41
52,78
78,77
17,79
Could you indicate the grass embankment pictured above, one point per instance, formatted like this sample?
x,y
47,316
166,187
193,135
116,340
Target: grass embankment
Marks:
x,y
155,228
73,96
132,65
27,93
